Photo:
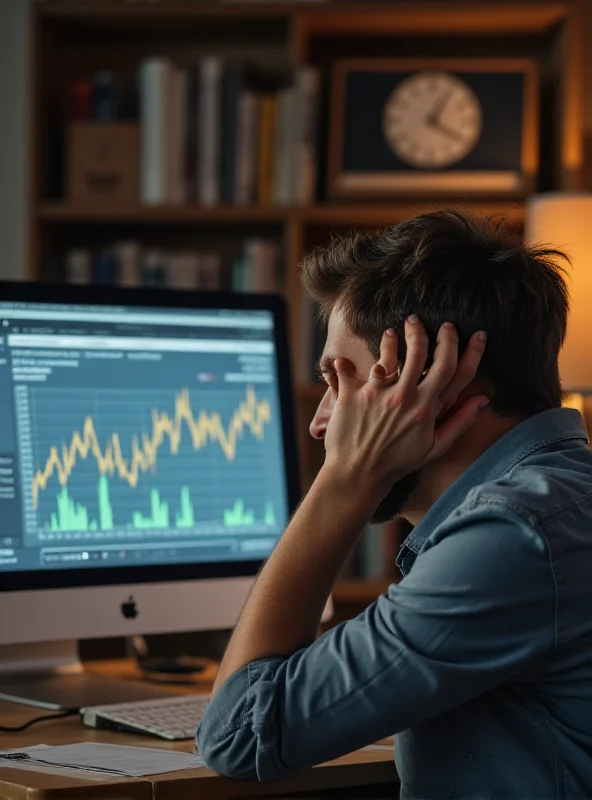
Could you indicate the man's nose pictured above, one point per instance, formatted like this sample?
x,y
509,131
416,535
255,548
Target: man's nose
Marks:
x,y
318,426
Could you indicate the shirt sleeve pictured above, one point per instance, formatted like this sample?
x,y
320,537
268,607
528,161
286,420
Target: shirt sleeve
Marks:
x,y
477,609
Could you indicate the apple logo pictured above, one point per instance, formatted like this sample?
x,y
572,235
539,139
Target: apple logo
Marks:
x,y
128,608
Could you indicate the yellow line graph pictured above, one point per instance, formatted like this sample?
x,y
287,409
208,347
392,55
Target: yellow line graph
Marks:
x,y
251,413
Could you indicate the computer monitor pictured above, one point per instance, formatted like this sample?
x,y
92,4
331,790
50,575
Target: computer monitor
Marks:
x,y
147,466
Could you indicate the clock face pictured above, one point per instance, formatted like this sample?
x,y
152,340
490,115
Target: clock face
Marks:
x,y
432,120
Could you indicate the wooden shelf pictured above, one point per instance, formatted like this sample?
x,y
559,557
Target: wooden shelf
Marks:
x,y
330,214
62,212
180,10
433,18
338,16
361,591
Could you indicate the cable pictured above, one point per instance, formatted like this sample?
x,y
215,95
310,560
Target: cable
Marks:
x,y
35,720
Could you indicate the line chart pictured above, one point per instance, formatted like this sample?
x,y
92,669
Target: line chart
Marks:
x,y
204,429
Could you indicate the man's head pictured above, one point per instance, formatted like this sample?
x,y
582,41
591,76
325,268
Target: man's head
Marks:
x,y
445,267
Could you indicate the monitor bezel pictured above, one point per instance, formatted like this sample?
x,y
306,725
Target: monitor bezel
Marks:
x,y
158,299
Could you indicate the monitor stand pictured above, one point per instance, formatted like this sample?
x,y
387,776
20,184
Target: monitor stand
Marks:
x,y
51,675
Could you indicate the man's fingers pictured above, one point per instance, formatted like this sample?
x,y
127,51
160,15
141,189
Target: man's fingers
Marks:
x,y
417,354
460,422
445,363
466,369
346,375
386,367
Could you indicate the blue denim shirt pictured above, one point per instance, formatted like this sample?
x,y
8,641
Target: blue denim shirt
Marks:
x,y
480,660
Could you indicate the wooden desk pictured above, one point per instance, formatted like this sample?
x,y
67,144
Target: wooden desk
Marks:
x,y
364,768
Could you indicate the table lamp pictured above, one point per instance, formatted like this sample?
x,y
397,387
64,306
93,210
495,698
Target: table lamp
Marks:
x,y
564,220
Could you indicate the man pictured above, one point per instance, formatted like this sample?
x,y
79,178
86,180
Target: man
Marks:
x,y
480,660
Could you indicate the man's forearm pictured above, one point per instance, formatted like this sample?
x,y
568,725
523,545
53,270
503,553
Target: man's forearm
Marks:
x,y
284,610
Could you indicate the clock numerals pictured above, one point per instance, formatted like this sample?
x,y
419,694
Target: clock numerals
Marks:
x,y
432,120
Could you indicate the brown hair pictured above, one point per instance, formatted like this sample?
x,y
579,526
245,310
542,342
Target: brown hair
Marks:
x,y
451,266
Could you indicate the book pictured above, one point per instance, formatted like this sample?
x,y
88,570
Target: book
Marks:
x,y
267,124
155,121
304,153
192,136
210,100
178,136
104,96
261,265
239,278
245,186
78,266
232,85
82,99
154,269
239,135
182,270
284,146
209,272
127,257
104,267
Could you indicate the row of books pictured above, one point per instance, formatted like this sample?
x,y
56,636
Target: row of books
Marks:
x,y
220,133
128,263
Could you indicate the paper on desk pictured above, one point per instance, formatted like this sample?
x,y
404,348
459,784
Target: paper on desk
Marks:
x,y
50,769
112,759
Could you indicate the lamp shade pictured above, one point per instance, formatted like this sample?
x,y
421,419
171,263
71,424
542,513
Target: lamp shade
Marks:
x,y
564,221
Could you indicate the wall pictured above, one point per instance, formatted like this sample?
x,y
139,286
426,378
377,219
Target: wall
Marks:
x,y
14,55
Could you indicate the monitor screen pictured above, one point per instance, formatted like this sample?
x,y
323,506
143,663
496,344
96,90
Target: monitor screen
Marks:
x,y
144,438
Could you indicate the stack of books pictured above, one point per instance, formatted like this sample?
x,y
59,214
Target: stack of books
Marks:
x,y
220,134
128,263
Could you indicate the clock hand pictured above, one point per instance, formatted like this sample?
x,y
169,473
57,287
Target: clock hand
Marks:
x,y
434,115
449,132
433,119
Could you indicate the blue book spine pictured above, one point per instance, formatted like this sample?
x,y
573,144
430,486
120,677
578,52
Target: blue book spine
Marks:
x,y
104,267
104,96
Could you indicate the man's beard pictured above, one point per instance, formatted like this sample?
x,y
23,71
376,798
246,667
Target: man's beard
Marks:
x,y
398,500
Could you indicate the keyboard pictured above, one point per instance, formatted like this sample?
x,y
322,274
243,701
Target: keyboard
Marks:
x,y
172,718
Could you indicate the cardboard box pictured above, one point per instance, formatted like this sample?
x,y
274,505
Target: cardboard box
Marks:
x,y
104,163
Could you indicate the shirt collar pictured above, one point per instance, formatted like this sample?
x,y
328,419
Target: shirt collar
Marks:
x,y
535,433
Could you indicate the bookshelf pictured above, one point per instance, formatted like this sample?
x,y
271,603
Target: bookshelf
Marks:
x,y
321,214
79,37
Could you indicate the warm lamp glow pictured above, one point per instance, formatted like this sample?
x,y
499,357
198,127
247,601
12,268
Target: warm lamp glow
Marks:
x,y
564,220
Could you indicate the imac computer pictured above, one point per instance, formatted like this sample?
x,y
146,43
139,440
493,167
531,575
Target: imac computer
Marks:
x,y
147,469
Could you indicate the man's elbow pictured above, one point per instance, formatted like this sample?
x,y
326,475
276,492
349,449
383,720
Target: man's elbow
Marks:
x,y
240,734
240,754
233,755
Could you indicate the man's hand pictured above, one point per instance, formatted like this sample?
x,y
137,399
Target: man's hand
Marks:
x,y
385,428
380,430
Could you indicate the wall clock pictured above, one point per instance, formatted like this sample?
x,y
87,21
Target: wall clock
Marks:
x,y
434,126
